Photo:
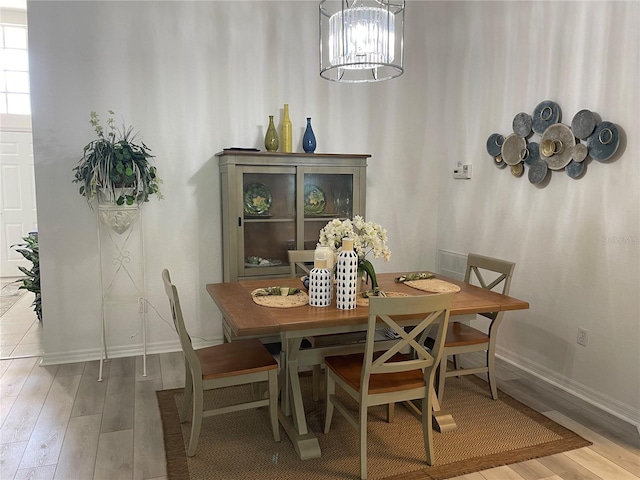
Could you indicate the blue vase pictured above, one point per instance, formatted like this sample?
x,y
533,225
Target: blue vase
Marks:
x,y
309,139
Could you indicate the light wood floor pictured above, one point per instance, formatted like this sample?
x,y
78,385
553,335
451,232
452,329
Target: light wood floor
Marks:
x,y
58,422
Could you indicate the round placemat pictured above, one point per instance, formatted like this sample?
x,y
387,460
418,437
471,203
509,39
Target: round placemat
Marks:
x,y
281,301
364,301
433,285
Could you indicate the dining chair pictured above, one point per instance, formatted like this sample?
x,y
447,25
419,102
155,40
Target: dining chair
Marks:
x,y
299,260
383,377
238,363
462,338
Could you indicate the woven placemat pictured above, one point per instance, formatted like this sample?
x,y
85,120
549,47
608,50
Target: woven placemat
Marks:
x,y
433,285
364,301
280,301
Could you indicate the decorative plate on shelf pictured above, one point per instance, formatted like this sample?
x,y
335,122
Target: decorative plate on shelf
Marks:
x,y
314,201
254,261
257,199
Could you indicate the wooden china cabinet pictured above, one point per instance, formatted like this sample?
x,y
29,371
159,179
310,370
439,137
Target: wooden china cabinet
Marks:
x,y
275,202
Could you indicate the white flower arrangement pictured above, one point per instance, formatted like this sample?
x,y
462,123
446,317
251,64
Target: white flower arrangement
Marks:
x,y
368,237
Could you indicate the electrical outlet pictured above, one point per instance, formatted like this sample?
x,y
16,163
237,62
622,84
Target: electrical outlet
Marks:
x,y
583,337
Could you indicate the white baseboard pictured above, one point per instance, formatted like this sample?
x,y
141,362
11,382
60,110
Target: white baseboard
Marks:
x,y
578,392
601,401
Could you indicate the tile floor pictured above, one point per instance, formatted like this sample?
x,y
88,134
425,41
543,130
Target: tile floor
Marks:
x,y
20,330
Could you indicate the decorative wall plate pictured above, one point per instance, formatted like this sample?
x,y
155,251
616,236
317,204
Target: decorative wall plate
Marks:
x,y
314,200
513,149
538,170
533,152
522,124
544,115
257,199
494,144
579,152
574,169
604,141
563,142
583,124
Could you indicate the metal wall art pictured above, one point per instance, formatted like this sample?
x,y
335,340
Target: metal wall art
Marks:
x,y
559,147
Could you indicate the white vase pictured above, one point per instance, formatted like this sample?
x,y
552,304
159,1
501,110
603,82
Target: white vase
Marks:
x,y
346,276
320,285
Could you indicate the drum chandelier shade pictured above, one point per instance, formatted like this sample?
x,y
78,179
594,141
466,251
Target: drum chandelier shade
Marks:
x,y
361,40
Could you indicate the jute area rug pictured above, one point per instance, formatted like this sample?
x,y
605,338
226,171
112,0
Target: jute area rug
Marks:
x,y
239,445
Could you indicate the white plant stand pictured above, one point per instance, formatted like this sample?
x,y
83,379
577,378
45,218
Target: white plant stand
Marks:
x,y
122,273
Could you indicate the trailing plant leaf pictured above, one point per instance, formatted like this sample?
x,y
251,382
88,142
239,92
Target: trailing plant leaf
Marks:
x,y
31,252
116,163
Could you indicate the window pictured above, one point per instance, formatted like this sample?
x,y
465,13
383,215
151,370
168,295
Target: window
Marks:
x,y
14,70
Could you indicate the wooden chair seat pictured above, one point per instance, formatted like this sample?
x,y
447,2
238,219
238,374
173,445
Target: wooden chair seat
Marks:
x,y
237,358
349,369
459,334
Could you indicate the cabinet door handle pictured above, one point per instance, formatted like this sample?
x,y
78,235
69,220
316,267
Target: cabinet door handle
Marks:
x,y
239,221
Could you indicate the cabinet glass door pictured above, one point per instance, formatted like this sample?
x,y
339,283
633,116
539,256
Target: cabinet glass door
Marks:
x,y
269,219
325,196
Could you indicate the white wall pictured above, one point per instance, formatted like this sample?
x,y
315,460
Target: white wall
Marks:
x,y
195,77
575,242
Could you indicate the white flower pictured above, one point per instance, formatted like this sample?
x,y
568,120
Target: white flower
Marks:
x,y
368,237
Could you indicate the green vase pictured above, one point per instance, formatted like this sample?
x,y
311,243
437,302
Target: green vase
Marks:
x,y
271,138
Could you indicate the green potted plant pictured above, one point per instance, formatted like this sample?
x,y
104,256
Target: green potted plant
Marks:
x,y
30,251
116,167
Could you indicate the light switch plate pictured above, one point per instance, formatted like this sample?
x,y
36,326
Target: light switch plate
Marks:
x,y
462,171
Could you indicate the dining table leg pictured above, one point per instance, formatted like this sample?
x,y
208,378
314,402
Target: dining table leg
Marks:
x,y
291,412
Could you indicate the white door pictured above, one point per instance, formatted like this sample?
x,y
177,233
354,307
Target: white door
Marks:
x,y
17,199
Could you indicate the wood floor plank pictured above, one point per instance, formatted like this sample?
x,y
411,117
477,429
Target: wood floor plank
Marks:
x,y
566,468
71,369
500,473
15,375
119,399
627,456
78,453
148,443
601,466
5,407
10,455
48,434
37,473
91,393
172,365
114,460
531,470
21,420
153,368
4,365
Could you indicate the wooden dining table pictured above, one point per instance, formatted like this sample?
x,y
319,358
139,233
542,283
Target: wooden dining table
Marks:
x,y
243,318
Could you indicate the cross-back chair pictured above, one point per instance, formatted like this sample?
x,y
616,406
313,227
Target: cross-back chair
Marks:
x,y
462,338
384,377
228,364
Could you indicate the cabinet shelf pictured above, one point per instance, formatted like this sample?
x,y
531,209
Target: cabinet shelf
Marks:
x,y
275,186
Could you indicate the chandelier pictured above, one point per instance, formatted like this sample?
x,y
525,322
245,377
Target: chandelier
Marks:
x,y
361,40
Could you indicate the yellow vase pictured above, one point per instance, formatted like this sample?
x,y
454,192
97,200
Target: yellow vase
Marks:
x,y
287,141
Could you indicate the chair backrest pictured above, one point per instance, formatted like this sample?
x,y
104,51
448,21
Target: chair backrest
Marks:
x,y
480,266
434,311
178,321
298,258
